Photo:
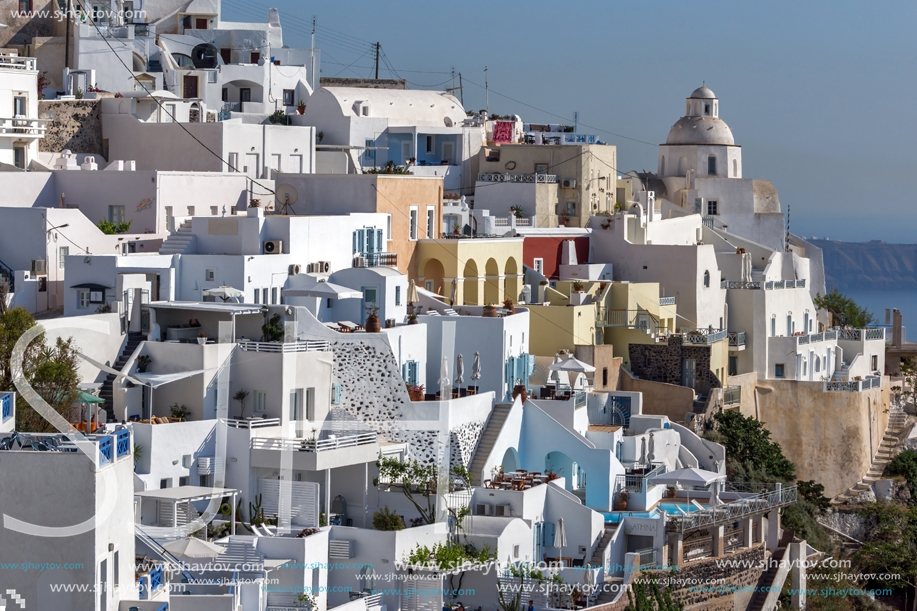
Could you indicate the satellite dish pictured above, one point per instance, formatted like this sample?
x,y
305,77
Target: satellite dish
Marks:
x,y
286,195
205,56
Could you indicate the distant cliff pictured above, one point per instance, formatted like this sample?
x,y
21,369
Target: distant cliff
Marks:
x,y
858,266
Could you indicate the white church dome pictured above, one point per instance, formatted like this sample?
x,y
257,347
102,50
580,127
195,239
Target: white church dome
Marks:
x,y
700,130
703,93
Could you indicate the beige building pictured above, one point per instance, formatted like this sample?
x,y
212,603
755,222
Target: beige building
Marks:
x,y
558,184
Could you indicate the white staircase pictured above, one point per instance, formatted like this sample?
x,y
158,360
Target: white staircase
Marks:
x,y
179,242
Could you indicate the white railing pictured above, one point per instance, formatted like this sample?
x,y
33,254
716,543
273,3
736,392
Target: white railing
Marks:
x,y
701,336
667,301
735,284
533,178
255,423
859,335
734,510
784,284
13,62
853,385
316,445
299,346
20,127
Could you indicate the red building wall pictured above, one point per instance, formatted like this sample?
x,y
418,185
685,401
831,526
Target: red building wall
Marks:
x,y
549,249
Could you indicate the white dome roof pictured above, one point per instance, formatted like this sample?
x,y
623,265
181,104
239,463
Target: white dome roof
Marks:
x,y
703,93
700,130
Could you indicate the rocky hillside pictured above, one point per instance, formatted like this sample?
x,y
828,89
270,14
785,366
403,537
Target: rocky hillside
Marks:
x,y
856,266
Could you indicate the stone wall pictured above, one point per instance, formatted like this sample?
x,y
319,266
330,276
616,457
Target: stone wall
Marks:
x,y
660,399
76,125
729,577
663,363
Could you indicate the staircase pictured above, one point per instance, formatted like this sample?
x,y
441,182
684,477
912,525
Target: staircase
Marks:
x,y
596,559
107,392
897,427
179,242
488,437
766,581
842,374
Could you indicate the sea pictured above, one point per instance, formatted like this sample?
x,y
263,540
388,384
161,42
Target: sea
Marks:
x,y
877,301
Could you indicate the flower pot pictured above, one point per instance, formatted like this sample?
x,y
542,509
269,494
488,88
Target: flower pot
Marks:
x,y
670,494
372,324
202,340
520,390
621,505
141,368
301,109
416,395
490,312
412,321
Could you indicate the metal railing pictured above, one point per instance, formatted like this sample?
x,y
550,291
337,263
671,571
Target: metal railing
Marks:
x,y
735,284
531,178
737,338
7,277
814,338
314,445
637,482
853,385
376,259
732,395
784,284
297,346
734,510
704,336
123,443
579,398
255,423
667,301
647,556
19,127
634,319
859,335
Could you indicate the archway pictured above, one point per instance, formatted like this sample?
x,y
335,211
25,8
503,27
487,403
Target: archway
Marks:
x,y
470,293
433,274
564,466
492,282
682,166
510,460
511,288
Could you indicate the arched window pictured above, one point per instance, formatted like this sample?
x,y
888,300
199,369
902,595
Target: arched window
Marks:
x,y
711,165
682,166
735,168
817,364
662,166
706,279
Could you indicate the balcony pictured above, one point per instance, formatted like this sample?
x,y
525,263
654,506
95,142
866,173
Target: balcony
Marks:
x,y
778,496
630,319
253,423
21,128
732,395
736,340
859,335
113,447
13,62
329,451
298,346
376,259
784,284
815,338
731,284
667,301
636,479
854,385
704,337
526,178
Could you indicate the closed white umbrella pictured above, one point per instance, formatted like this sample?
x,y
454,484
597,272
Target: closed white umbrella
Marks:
x,y
459,370
553,376
194,548
560,536
412,293
444,380
453,293
476,367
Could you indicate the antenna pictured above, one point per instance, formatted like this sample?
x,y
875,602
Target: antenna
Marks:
x,y
786,239
486,92
312,55
286,195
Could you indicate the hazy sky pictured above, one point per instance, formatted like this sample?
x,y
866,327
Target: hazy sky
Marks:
x,y
821,95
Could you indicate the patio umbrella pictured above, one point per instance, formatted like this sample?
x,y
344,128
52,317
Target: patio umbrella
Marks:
x,y
643,451
572,365
459,370
560,536
476,367
223,292
194,548
444,380
652,449
412,293
688,477
554,376
453,293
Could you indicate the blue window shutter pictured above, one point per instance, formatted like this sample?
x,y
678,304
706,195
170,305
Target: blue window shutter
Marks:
x,y
529,364
336,394
413,367
511,371
378,244
405,372
548,534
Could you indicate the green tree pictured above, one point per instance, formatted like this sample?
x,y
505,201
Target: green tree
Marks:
x,y
109,228
418,483
905,465
891,549
844,311
646,595
386,519
51,369
751,456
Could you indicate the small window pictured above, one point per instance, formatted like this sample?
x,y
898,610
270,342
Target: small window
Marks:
x,y
875,362
19,157
515,551
255,57
165,483
397,295
310,404
733,365
186,461
288,97
369,153
190,210
538,264
735,168
706,109
604,376
274,295
707,279
388,227
260,402
205,481
214,210
225,97
712,207
184,480
25,6
431,221
711,165
116,214
83,297
210,275
20,106
63,252
200,23
413,228
818,364
779,370
226,56
429,145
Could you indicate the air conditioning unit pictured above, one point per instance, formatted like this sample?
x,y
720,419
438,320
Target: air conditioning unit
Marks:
x,y
295,269
340,548
483,509
326,266
273,247
569,183
503,511
38,267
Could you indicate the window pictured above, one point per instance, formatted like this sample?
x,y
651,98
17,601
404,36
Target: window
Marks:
x,y
875,362
604,376
264,296
116,573
210,274
274,295
388,227
116,214
245,94
184,480
431,221
779,370
200,23
255,58
413,229
773,326
83,297
226,56
429,145
538,264
733,365
397,295
205,481
225,96
735,168
296,396
62,254
369,153
165,483
288,97
515,551
817,364
233,162
260,402
428,284
310,404
214,210
20,107
707,279
186,461
25,6
190,210
19,157
706,109
711,165
712,207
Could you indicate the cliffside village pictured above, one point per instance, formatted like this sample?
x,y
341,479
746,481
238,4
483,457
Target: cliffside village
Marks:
x,y
327,332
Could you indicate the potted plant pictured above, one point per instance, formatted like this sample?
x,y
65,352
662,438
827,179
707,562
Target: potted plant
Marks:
x,y
241,396
202,338
551,476
490,311
516,211
456,229
508,306
621,503
143,361
179,412
412,318
301,107
578,287
319,137
519,390
670,492
372,320
415,391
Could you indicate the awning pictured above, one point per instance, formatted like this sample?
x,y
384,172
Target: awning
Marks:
x,y
325,290
85,397
207,306
155,380
688,477
91,286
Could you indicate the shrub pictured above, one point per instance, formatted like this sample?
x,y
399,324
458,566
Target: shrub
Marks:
x,y
386,519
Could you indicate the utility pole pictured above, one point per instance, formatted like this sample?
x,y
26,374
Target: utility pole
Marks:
x,y
312,53
453,89
461,91
377,60
486,92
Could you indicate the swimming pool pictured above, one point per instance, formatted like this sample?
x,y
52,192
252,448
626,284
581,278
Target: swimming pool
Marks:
x,y
672,509
614,517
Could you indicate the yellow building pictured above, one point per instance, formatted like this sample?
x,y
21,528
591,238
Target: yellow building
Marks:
x,y
485,271
635,313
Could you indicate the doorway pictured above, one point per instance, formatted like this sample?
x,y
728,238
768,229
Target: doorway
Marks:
x,y
189,86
